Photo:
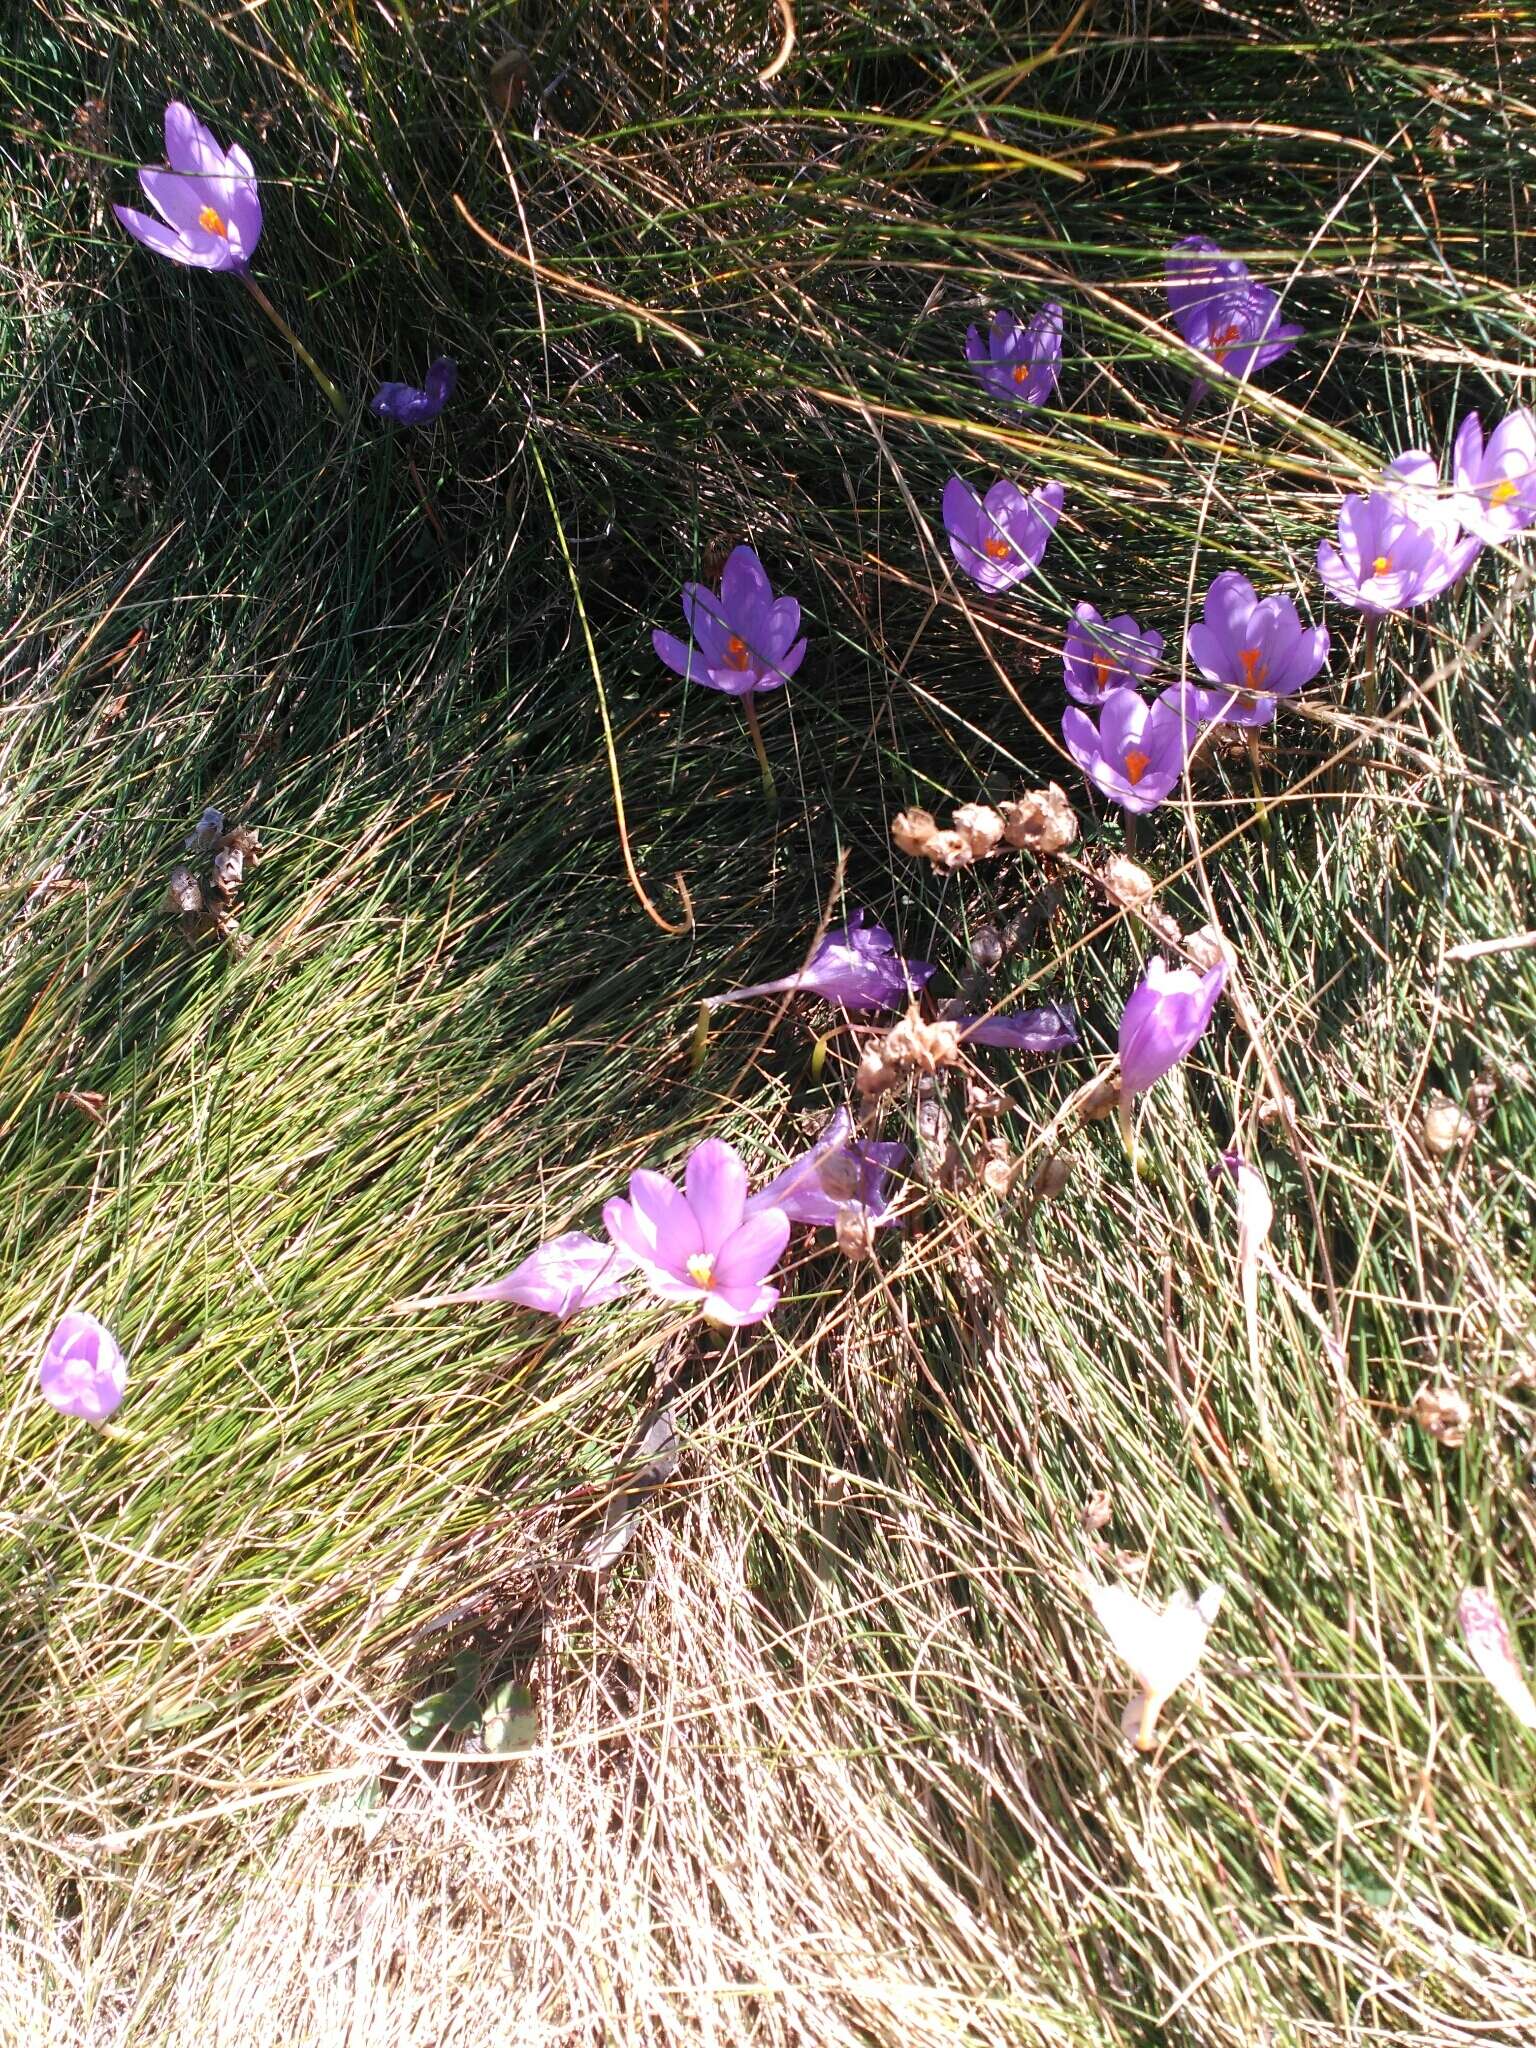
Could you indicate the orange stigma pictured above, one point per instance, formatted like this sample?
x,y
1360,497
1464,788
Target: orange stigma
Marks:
x,y
1381,565
737,655
212,222
1222,342
997,548
701,1269
1021,373
1102,671
1255,667
1136,765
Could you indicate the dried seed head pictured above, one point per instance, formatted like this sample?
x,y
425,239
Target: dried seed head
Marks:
x,y
1274,1109
875,1072
1051,1176
997,1174
1442,1413
986,947
1206,946
912,830
1101,1100
980,827
949,850
855,1231
183,895
927,1047
1125,883
840,1175
1443,1125
1096,1510
228,871
1043,821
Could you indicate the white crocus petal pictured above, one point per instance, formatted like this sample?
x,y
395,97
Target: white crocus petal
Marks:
x,y
1162,1648
1486,1635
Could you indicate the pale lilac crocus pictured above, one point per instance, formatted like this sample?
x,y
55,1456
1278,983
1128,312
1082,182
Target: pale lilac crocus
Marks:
x,y
696,1242
1163,1020
1136,753
998,540
1392,555
1052,1027
1254,651
1494,481
744,639
210,211
856,965
411,406
559,1278
1018,361
1100,655
837,1169
83,1371
1222,312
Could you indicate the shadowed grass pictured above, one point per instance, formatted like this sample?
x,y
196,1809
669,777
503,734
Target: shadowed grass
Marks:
x,y
832,1756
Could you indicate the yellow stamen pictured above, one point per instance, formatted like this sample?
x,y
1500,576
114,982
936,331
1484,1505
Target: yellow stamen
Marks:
x,y
1381,565
1136,765
736,653
213,222
701,1269
998,549
1502,492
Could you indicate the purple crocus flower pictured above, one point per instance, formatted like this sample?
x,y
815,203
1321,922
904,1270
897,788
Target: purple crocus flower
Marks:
x,y
1136,753
999,539
744,639
561,1278
409,407
1388,558
210,214
1164,1019
837,1169
83,1371
1495,481
1050,1028
1018,361
856,964
697,1242
1254,651
1220,310
1100,655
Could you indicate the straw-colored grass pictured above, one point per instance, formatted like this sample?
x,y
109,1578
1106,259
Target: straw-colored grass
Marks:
x,y
831,1755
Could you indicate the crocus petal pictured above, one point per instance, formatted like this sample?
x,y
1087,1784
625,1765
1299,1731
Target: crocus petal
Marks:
x,y
570,1273
189,146
752,1250
717,1191
739,1306
82,1371
178,200
744,585
167,242
1050,1028
783,624
677,655
706,622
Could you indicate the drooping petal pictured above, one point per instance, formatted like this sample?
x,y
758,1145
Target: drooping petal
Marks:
x,y
1052,1027
570,1273
717,1191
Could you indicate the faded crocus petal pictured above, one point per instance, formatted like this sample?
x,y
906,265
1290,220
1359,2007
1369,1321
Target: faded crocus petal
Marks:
x,y
409,406
856,964
1254,650
1486,1635
561,1278
1050,1028
1386,560
83,1371
1136,753
1018,361
696,1242
836,1171
1221,311
1494,481
1161,1649
1164,1020
999,539
744,639
1100,655
210,212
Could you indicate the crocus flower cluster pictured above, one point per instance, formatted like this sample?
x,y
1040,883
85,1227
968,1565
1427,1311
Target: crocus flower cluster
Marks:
x,y
1000,538
1018,361
744,639
1222,312
209,208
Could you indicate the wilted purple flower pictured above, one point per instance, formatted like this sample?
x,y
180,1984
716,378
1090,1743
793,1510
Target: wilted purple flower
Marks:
x,y
837,1169
1255,651
1018,361
410,407
1050,1028
1387,559
83,1371
207,200
1495,481
999,539
856,964
697,1242
562,1277
1220,310
1167,1012
1136,753
1100,655
744,639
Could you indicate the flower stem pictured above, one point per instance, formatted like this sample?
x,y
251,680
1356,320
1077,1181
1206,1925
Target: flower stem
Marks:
x,y
1130,834
700,1040
770,787
1372,697
1262,809
1125,1114
338,403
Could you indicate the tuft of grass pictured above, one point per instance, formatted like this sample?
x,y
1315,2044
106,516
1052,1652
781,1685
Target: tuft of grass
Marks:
x,y
830,1756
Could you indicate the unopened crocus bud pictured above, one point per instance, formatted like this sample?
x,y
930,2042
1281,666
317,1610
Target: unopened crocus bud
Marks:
x,y
1042,821
911,830
1442,1413
1125,883
980,827
1443,1125
855,1229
